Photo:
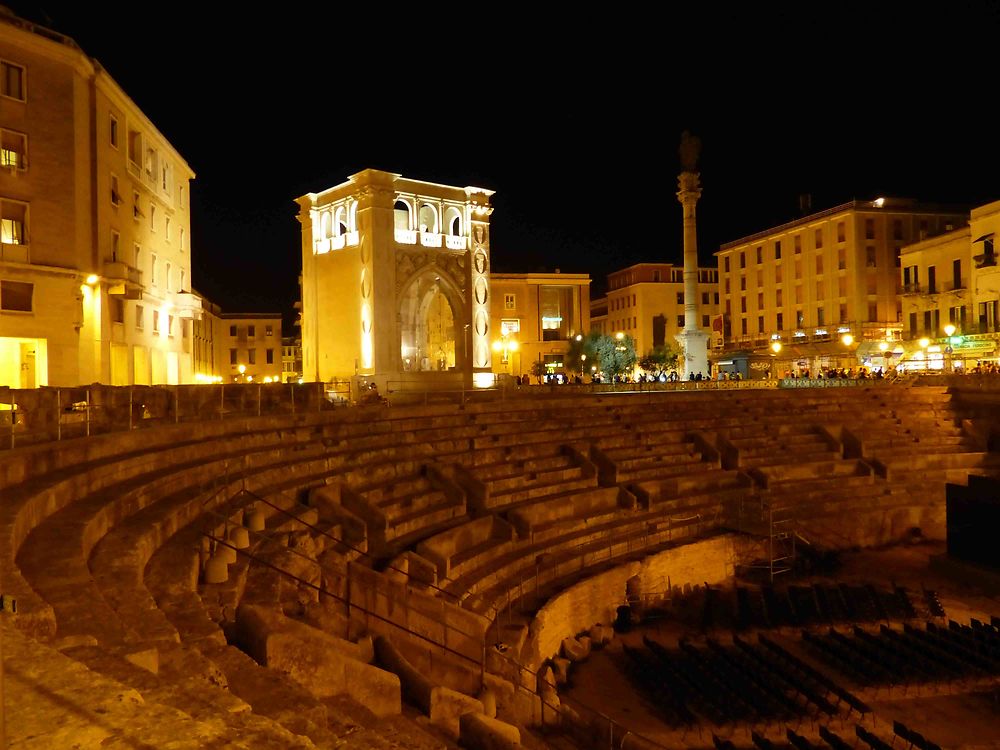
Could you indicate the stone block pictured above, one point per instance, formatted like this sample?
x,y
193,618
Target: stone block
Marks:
x,y
481,732
575,650
447,706
560,669
146,658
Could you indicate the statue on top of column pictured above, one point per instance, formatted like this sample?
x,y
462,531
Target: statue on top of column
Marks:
x,y
690,150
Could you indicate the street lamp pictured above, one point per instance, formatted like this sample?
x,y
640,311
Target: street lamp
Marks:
x,y
776,347
504,346
949,331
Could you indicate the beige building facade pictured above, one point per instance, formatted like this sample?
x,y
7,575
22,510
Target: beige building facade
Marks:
x,y
534,316
396,282
94,225
646,302
951,295
249,347
824,289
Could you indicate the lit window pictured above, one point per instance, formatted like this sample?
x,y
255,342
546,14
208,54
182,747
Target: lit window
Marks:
x,y
16,296
140,317
12,80
156,321
13,222
268,330
508,302
13,149
509,326
113,131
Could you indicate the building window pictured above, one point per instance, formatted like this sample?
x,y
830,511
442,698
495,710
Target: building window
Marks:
x,y
760,324
13,149
680,321
819,264
156,321
117,310
820,294
760,255
251,356
897,229
842,286
152,269
818,239
140,317
931,280
170,325
743,304
777,248
113,131
760,300
843,312
704,321
799,318
897,252
870,257
956,274
716,297
725,264
136,213
680,298
13,222
704,298
743,326
727,286
798,294
137,253
168,275
232,356
743,283
16,296
166,228
252,331
12,83
268,330
269,355
508,302
135,147
152,218
182,285
872,312
777,298
841,231
743,260
798,268
116,196
869,229
115,244
781,321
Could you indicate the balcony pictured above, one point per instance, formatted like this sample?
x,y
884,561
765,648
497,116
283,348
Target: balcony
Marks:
x,y
406,236
14,253
914,289
453,242
123,280
430,240
187,305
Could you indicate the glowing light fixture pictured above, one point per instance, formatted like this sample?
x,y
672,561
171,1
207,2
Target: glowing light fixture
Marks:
x,y
497,345
883,346
619,335
241,369
924,342
878,202
579,337
949,330
513,346
776,347
847,339
92,279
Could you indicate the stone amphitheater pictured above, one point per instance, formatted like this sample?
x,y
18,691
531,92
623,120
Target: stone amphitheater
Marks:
x,y
421,576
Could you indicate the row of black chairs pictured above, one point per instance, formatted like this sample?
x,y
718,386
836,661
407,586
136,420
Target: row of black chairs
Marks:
x,y
829,738
911,656
913,737
773,607
668,695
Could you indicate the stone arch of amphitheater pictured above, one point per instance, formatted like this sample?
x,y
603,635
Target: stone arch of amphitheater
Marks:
x,y
422,576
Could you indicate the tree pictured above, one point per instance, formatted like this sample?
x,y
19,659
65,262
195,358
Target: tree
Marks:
x,y
615,356
658,360
538,369
582,353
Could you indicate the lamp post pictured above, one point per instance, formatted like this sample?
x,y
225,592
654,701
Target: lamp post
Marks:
x,y
949,331
504,346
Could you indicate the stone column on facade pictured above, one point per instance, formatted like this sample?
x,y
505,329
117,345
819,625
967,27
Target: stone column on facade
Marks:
x,y
692,339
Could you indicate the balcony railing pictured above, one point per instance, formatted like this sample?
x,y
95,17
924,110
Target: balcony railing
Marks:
x,y
453,242
14,253
428,239
188,305
406,236
123,279
914,289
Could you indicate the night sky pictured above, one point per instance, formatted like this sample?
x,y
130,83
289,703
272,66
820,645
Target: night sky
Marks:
x,y
571,115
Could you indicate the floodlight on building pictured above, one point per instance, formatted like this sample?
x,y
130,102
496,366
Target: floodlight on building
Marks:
x,y
241,369
924,342
92,279
883,346
949,330
847,339
878,202
776,347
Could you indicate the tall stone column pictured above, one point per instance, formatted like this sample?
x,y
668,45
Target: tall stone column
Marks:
x,y
692,339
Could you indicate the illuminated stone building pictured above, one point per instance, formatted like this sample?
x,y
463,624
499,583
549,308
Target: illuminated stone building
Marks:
x,y
533,317
396,281
248,347
291,359
951,285
823,289
646,301
95,257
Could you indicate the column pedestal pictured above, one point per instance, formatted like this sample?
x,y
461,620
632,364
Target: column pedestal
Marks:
x,y
695,347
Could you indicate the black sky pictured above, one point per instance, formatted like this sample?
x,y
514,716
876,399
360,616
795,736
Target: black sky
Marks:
x,y
572,115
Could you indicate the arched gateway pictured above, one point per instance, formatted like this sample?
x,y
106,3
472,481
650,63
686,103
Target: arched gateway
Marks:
x,y
395,281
